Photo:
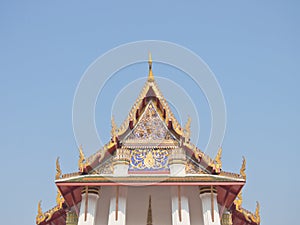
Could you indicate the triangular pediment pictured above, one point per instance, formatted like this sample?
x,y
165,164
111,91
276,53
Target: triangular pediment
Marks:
x,y
150,92
150,128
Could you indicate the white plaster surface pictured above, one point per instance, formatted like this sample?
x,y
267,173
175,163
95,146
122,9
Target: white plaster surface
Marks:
x,y
206,207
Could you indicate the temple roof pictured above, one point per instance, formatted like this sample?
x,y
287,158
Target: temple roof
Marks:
x,y
150,124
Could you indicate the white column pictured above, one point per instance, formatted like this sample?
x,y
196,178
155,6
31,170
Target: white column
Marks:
x,y
180,206
88,206
121,162
121,170
117,207
177,161
209,206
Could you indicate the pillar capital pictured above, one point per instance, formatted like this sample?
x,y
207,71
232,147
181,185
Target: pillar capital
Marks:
x,y
121,162
209,205
90,190
122,156
207,190
177,156
177,161
88,207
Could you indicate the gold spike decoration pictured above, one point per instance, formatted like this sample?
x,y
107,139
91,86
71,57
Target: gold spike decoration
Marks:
x,y
216,164
238,202
40,217
248,215
149,215
113,128
219,157
243,168
58,170
187,128
257,214
150,75
81,161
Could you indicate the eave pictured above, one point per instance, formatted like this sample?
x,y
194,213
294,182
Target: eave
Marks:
x,y
227,187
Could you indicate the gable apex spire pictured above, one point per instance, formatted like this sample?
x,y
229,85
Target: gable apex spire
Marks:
x,y
150,75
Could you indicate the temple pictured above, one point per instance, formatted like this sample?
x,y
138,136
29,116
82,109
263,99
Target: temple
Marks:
x,y
149,173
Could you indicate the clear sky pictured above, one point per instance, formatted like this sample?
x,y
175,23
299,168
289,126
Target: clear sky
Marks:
x,y
251,46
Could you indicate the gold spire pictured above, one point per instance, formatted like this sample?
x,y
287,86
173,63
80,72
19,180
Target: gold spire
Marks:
x,y
58,170
243,168
149,215
188,127
113,127
150,75
81,159
40,215
40,212
257,214
218,157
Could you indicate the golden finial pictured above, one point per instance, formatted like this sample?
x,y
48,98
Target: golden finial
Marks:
x,y
243,168
113,127
218,157
150,75
58,170
40,217
81,159
188,127
257,214
40,212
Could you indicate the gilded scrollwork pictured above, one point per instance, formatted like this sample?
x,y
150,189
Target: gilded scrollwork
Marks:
x,y
149,159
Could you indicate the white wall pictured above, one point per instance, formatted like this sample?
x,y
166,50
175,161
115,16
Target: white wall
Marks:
x,y
103,205
137,205
196,215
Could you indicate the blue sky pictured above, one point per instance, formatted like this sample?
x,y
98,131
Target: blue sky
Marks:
x,y
251,46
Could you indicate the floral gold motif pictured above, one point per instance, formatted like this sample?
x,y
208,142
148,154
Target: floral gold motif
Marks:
x,y
149,159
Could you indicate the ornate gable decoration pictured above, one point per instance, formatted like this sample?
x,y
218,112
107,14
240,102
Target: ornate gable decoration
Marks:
x,y
151,129
150,126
